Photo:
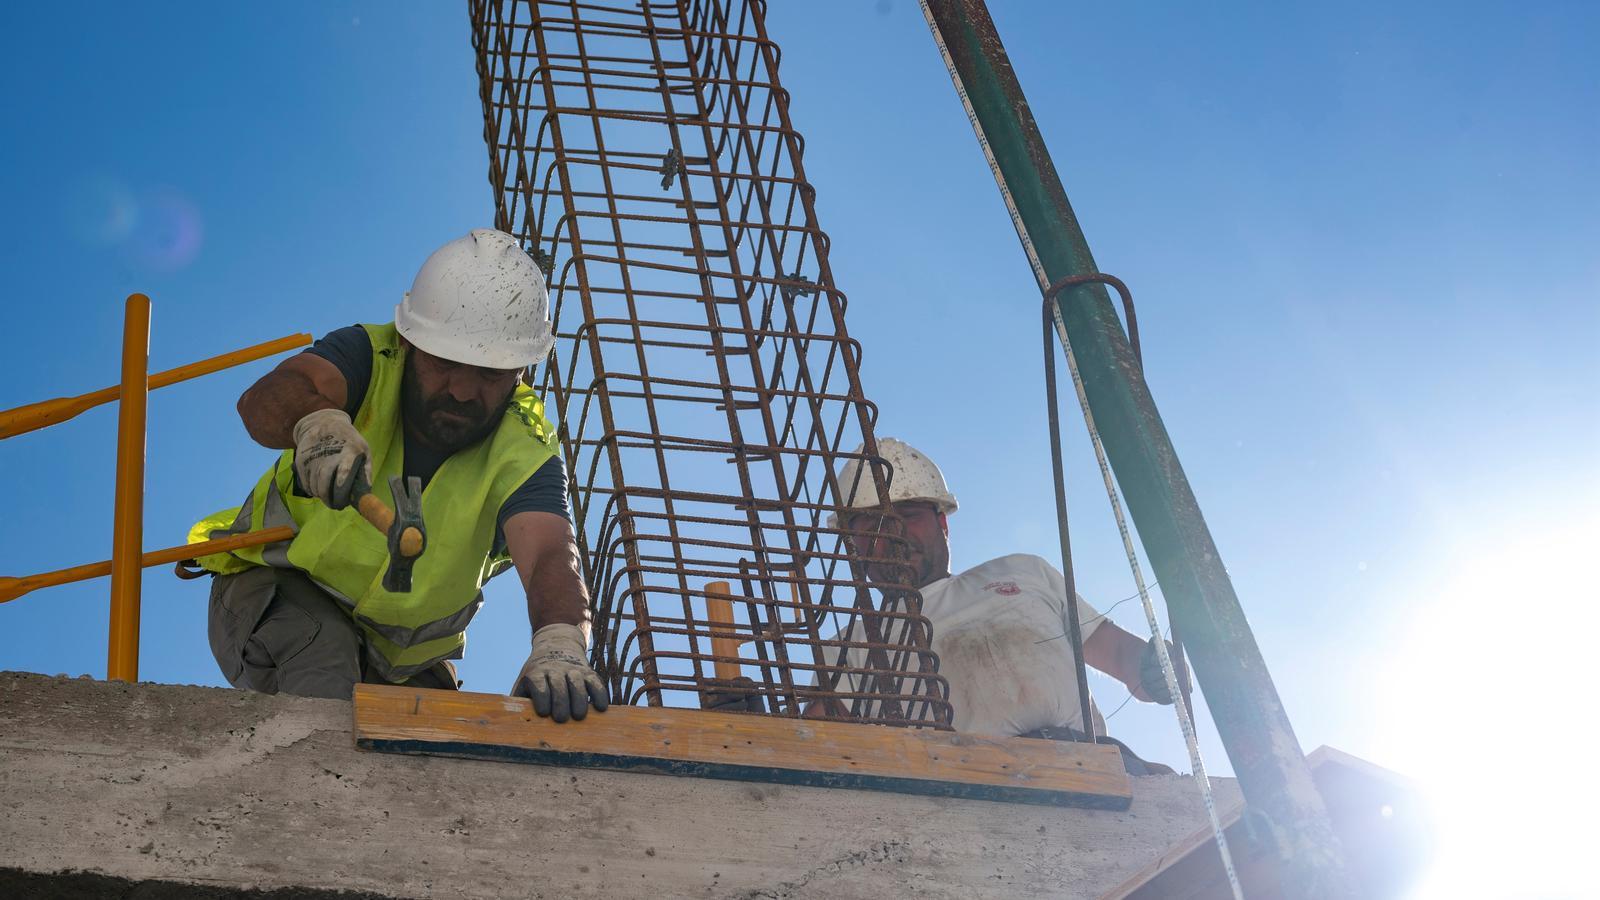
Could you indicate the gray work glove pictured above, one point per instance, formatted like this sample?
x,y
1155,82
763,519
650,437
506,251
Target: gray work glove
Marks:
x,y
557,677
330,456
1152,680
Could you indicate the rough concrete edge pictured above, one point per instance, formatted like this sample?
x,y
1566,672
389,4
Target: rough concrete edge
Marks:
x,y
74,884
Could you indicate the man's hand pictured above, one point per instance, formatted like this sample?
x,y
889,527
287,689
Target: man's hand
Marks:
x,y
329,454
1152,680
557,678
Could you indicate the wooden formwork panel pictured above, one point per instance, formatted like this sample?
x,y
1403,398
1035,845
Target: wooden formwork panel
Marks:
x,y
744,747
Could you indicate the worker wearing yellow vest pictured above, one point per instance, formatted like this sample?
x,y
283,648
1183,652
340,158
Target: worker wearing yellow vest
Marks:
x,y
438,395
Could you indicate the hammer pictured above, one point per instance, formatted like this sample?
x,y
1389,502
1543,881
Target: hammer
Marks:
x,y
401,525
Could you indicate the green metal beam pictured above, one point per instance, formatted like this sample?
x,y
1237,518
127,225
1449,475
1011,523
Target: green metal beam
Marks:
x,y
1250,718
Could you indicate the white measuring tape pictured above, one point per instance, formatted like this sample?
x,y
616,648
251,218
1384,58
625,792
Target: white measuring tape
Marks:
x,y
1184,721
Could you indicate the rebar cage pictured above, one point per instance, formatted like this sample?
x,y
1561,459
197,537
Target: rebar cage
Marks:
x,y
705,387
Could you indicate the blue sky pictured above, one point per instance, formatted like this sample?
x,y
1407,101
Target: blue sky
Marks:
x,y
1362,237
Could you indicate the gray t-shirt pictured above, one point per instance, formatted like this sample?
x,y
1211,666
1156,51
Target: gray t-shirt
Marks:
x,y
350,350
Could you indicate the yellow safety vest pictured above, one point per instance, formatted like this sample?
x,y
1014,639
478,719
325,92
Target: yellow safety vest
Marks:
x,y
342,552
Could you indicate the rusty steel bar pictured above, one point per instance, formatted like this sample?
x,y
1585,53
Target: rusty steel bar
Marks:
x,y
1058,468
1131,324
705,386
34,416
1063,531
122,654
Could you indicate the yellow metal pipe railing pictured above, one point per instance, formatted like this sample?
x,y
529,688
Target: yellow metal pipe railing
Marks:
x,y
34,416
127,558
12,588
127,527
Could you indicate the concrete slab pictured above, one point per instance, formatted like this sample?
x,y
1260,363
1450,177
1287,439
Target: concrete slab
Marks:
x,y
141,787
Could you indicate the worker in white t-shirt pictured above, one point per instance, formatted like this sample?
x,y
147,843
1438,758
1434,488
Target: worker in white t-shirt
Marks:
x,y
999,628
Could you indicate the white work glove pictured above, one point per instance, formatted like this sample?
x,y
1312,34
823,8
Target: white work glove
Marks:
x,y
1152,678
329,454
557,677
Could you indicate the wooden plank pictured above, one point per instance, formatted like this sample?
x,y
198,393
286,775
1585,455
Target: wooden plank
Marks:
x,y
744,748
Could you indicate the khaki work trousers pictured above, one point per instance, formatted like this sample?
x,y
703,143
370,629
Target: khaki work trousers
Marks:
x,y
275,631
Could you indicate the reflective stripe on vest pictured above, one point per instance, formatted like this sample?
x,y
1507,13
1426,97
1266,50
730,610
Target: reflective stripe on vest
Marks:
x,y
344,554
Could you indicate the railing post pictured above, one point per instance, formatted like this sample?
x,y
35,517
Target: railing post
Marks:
x,y
127,540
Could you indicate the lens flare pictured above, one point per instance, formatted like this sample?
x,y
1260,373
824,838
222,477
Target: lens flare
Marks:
x,y
167,234
100,210
158,230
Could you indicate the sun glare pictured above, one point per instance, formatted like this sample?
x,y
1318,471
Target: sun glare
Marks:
x,y
1489,702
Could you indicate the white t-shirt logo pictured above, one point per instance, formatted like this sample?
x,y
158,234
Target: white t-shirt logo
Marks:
x,y
1007,588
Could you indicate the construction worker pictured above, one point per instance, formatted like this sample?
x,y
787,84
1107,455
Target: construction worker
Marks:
x,y
999,628
439,395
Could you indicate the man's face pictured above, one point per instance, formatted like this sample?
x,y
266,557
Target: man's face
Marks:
x,y
449,405
926,539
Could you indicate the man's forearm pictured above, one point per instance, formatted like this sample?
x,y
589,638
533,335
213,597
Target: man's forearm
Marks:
x,y
272,406
556,592
1116,653
557,676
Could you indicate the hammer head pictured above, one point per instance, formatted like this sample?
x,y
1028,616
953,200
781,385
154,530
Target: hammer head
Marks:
x,y
407,536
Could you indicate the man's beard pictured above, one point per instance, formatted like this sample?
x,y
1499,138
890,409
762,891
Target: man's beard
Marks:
x,y
444,433
919,566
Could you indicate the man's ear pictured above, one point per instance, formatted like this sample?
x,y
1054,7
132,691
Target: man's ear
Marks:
x,y
944,524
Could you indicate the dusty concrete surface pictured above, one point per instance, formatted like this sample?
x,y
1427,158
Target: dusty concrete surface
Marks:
x,y
156,786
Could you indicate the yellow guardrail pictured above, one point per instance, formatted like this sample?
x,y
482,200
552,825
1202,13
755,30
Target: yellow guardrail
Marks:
x,y
12,588
127,540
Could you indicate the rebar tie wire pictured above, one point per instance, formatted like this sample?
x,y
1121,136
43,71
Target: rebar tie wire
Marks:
x,y
671,165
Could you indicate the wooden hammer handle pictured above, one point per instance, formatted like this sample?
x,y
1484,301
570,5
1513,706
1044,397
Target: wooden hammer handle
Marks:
x,y
382,518
724,642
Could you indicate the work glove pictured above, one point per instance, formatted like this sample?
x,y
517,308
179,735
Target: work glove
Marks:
x,y
330,456
557,678
1152,680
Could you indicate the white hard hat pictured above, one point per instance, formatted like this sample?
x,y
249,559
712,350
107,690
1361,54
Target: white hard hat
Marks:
x,y
479,300
914,477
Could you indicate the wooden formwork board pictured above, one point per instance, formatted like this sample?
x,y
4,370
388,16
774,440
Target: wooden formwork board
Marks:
x,y
743,747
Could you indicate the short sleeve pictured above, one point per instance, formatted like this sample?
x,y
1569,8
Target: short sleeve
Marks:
x,y
350,351
544,491
1089,618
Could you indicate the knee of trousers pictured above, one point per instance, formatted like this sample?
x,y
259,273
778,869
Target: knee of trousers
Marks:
x,y
276,631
